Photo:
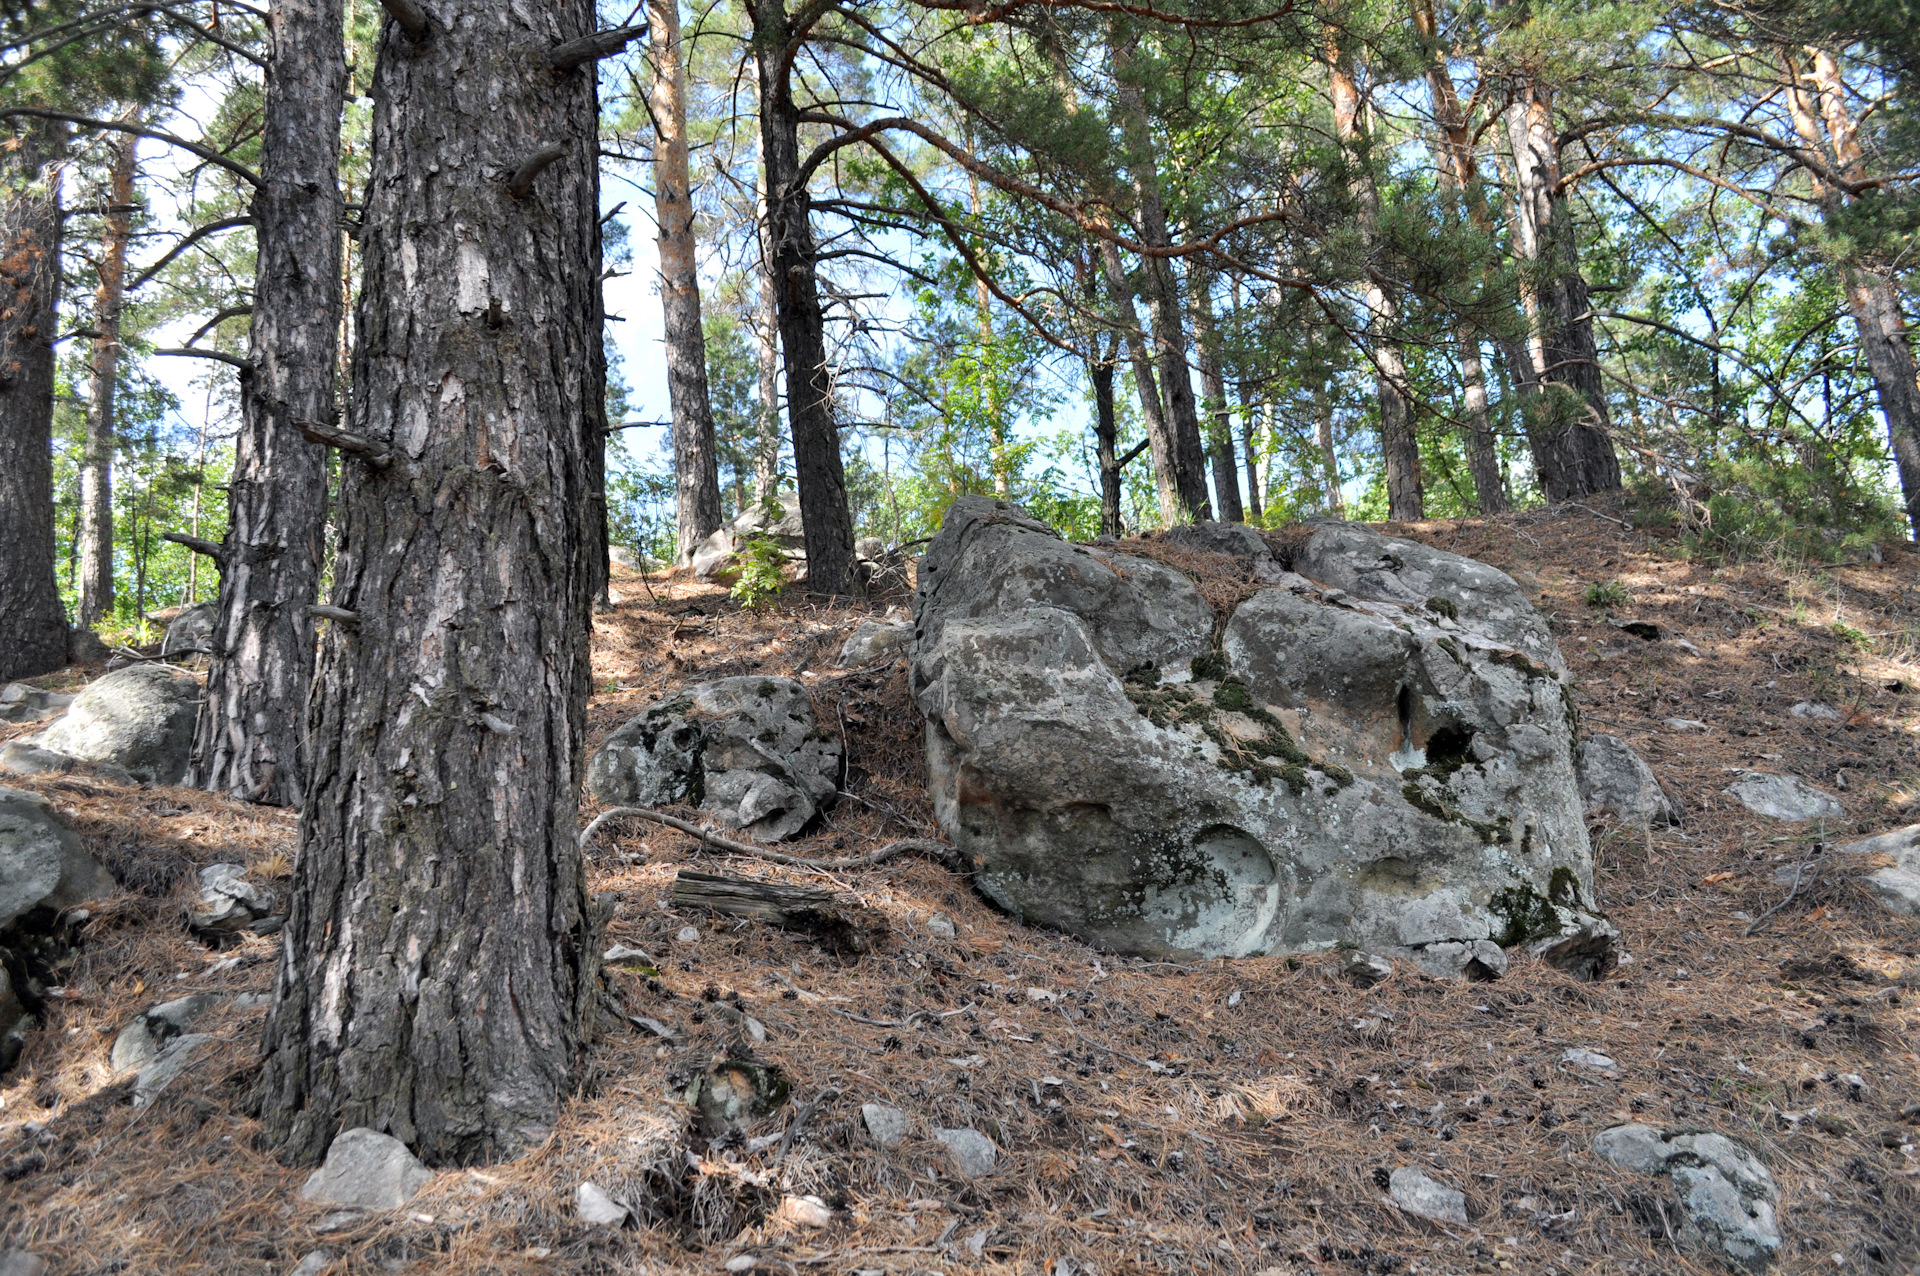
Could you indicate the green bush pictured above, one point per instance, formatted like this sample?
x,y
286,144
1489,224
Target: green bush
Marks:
x,y
761,565
1608,594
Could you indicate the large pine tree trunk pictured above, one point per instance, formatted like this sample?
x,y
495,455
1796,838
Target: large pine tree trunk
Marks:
x,y
1567,427
438,968
252,742
1162,290
1219,416
1160,441
103,369
696,466
1399,449
33,625
825,520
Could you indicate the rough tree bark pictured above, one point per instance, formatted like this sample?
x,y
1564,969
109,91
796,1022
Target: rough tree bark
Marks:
x,y
1458,173
696,466
251,741
1817,98
826,523
1219,416
1106,436
33,626
1160,442
1399,449
766,452
1250,444
103,368
1567,429
1162,290
438,968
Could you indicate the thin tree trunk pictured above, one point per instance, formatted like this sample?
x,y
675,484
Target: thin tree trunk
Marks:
x,y
826,522
1567,430
1219,416
1250,442
696,467
439,970
1160,442
33,625
103,368
1162,289
1399,449
1483,458
1106,434
1329,459
766,455
251,742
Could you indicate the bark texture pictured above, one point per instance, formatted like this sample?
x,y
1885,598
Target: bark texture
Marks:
x,y
33,625
696,466
1161,289
252,741
1567,421
1160,441
825,519
1399,449
1219,416
1106,438
438,969
103,368
766,331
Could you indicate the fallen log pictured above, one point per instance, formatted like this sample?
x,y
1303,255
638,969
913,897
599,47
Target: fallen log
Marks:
x,y
837,924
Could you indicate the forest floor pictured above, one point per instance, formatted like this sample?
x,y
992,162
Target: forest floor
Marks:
x,y
1233,1116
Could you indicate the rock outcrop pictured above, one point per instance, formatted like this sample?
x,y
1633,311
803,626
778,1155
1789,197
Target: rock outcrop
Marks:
x,y
191,632
45,872
744,750
139,719
1375,749
1726,1195
713,556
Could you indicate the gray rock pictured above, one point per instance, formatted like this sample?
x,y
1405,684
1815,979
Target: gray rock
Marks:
x,y
42,862
191,632
175,1058
973,1153
229,903
315,1262
1366,969
1815,710
1616,781
18,757
1415,1193
874,640
595,1206
1212,537
1726,1194
887,1125
366,1170
940,926
1347,767
1474,960
152,1029
1784,797
744,750
1592,1060
22,703
712,557
1684,724
139,719
1893,864
621,556
84,647
19,1262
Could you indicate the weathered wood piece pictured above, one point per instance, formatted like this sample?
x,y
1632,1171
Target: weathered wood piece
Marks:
x,y
839,925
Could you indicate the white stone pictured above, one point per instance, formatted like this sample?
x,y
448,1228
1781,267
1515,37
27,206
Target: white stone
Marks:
x,y
159,1072
804,1211
973,1153
1784,797
940,926
595,1206
688,935
1616,781
873,641
42,861
887,1125
1685,724
315,1262
1588,1059
1415,1193
1815,710
1893,864
366,1170
18,1262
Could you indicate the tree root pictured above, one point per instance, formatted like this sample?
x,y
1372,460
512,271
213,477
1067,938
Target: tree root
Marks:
x,y
938,851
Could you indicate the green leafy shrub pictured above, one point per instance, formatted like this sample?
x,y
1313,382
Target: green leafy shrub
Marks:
x,y
1607,594
761,565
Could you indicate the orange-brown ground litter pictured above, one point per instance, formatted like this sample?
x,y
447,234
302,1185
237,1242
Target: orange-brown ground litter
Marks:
x,y
1229,1117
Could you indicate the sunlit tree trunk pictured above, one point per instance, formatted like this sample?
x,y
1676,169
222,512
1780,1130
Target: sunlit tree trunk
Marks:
x,y
252,741
1160,441
1106,437
438,967
766,454
33,625
1213,389
103,369
696,468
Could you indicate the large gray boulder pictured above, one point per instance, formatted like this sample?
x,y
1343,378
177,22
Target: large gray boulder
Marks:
x,y
22,703
1616,781
781,525
42,862
1386,761
139,719
191,632
1726,1194
745,750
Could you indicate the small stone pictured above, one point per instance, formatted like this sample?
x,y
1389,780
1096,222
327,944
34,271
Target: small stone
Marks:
x,y
1415,1193
595,1206
741,1263
688,935
367,1170
338,1221
316,1261
18,1262
887,1125
620,953
804,1211
1366,969
874,641
1588,1059
940,926
974,1154
229,903
1784,797
1685,724
1815,710
159,1072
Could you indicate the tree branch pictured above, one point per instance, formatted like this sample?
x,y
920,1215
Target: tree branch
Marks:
x,y
346,441
217,355
522,180
192,237
208,154
591,48
411,17
212,549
